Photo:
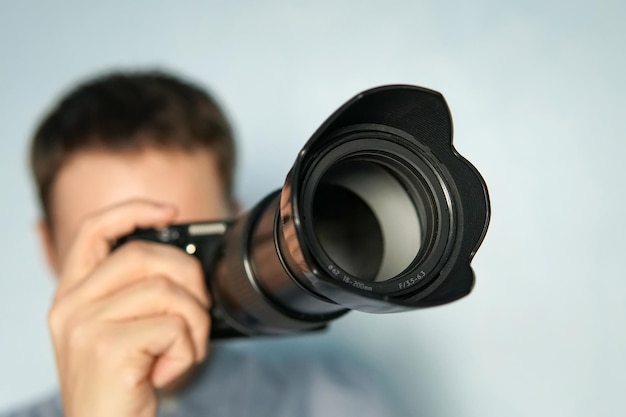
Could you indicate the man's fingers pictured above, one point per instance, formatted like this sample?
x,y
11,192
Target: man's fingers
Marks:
x,y
158,348
136,260
93,240
156,296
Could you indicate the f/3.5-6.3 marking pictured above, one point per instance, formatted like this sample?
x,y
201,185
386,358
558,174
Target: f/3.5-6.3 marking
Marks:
x,y
409,282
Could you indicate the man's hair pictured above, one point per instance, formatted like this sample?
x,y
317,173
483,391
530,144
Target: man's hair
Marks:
x,y
130,111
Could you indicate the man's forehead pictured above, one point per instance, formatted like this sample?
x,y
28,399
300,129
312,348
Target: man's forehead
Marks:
x,y
93,180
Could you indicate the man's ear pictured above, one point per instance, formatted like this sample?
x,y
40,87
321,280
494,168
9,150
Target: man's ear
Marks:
x,y
49,248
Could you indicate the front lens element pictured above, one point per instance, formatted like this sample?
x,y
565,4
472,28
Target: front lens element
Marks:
x,y
365,220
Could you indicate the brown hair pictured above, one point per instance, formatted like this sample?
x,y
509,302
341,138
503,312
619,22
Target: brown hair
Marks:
x,y
129,112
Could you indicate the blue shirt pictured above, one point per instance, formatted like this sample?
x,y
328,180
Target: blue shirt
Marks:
x,y
237,383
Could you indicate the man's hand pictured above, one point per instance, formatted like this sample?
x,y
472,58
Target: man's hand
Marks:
x,y
127,322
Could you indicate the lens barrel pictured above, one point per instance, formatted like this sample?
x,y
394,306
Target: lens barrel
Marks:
x,y
379,213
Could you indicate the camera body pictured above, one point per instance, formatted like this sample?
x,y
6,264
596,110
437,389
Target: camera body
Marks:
x,y
379,213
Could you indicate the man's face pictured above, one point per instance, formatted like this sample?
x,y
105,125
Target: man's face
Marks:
x,y
94,180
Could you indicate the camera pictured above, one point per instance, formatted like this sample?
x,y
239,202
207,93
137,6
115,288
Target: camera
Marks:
x,y
379,213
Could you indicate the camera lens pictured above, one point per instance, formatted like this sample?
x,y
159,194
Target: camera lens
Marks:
x,y
365,220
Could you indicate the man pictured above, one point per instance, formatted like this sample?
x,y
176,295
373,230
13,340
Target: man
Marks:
x,y
130,327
